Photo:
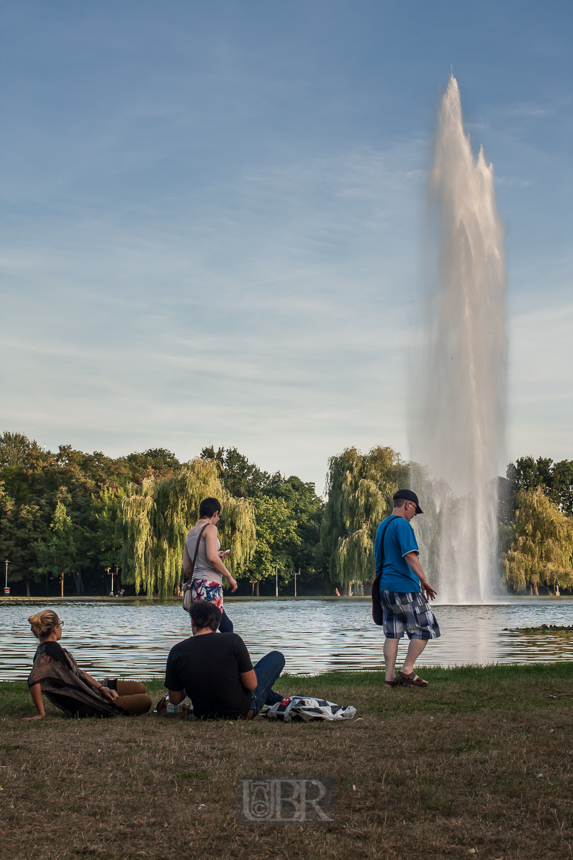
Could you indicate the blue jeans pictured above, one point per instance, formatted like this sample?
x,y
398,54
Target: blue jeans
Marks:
x,y
267,671
226,625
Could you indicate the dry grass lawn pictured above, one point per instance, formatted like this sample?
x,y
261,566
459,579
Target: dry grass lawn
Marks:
x,y
479,765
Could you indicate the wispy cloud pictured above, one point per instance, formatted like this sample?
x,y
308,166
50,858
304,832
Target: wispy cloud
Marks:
x,y
212,219
513,181
261,323
529,110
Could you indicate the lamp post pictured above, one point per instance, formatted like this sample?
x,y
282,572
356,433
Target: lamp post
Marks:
x,y
276,580
295,574
6,589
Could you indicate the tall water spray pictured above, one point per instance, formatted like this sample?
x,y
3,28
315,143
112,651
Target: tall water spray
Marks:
x,y
459,427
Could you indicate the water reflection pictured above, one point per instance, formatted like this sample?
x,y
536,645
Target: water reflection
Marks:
x,y
315,636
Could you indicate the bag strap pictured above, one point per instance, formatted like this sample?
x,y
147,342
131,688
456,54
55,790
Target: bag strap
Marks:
x,y
384,530
190,579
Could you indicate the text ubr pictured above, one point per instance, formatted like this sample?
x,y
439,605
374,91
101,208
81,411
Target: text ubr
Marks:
x,y
286,800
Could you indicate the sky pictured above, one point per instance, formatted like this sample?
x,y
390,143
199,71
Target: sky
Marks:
x,y
212,218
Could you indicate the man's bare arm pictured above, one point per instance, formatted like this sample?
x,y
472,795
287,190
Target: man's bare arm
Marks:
x,y
176,696
416,567
249,679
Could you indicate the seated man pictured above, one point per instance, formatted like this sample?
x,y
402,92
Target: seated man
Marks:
x,y
216,672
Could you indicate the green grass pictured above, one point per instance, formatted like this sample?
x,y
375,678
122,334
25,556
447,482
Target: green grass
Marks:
x,y
457,690
478,765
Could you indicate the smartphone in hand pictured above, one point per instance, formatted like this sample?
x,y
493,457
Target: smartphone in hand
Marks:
x,y
225,553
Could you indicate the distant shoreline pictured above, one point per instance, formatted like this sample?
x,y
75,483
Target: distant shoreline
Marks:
x,y
143,599
11,601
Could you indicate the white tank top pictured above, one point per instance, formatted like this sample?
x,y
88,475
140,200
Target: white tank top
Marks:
x,y
203,568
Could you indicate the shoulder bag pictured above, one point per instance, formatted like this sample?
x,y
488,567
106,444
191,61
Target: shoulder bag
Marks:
x,y
186,602
377,614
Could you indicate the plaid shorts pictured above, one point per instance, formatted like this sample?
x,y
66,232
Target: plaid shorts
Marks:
x,y
409,613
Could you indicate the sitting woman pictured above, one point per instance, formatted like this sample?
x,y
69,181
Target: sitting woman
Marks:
x,y
56,674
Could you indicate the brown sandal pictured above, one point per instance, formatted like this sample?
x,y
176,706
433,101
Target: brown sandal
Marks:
x,y
391,684
411,680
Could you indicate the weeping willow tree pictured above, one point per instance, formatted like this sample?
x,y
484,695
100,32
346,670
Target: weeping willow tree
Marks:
x,y
157,515
360,489
134,528
541,551
238,533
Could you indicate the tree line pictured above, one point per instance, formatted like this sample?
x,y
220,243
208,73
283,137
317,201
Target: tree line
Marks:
x,y
69,520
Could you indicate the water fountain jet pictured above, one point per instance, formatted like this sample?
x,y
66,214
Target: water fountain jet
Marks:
x,y
458,426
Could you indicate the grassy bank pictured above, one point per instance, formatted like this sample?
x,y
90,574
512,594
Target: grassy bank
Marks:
x,y
478,765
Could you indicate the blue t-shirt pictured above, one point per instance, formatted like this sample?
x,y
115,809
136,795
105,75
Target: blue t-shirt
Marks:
x,y
398,541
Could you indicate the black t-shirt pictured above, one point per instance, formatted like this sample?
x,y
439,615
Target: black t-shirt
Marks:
x,y
207,667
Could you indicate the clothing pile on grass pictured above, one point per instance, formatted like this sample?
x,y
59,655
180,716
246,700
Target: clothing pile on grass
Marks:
x,y
305,709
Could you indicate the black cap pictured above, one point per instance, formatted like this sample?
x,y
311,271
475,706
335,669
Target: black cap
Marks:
x,y
409,496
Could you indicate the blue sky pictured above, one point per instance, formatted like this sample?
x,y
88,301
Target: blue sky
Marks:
x,y
212,218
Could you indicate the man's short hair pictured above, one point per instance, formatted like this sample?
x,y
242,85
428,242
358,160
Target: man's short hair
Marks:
x,y
399,503
205,614
208,507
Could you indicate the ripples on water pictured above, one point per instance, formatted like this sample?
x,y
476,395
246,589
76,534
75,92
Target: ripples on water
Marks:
x,y
315,635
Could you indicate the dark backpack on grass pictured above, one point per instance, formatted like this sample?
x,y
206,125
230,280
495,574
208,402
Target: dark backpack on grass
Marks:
x,y
377,613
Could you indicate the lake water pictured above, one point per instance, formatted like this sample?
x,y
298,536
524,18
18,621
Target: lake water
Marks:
x,y
133,640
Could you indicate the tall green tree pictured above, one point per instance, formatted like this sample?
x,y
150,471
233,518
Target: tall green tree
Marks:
x,y
276,539
287,533
16,450
102,538
239,477
541,551
155,461
20,530
137,538
554,478
360,489
156,517
306,510
57,553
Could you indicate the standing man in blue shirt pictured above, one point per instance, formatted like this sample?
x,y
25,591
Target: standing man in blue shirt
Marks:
x,y
404,590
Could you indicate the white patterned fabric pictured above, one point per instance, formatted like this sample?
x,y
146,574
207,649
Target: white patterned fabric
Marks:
x,y
305,709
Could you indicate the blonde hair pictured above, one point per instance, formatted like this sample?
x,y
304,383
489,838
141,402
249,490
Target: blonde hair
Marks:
x,y
43,623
